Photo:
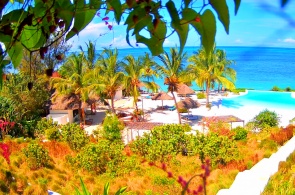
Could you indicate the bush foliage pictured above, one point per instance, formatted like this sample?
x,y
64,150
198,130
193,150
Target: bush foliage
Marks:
x,y
36,156
266,119
112,128
100,157
163,142
74,136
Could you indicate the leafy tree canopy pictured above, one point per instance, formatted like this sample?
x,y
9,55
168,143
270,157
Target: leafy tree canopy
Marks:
x,y
30,24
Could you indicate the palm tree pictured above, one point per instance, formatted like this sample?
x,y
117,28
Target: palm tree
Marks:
x,y
149,67
134,70
224,67
208,68
173,70
73,80
90,57
106,77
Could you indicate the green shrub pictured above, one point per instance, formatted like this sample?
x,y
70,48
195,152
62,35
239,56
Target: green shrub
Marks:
x,y
162,142
219,149
105,156
74,136
36,156
112,128
266,119
201,95
53,133
163,180
44,124
240,133
268,144
275,88
238,90
288,89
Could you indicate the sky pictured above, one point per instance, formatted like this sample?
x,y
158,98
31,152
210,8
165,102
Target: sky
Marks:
x,y
259,23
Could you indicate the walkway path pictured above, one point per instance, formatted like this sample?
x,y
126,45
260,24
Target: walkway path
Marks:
x,y
253,181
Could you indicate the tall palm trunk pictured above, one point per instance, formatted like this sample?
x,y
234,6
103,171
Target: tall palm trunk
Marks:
x,y
112,104
207,92
81,113
174,98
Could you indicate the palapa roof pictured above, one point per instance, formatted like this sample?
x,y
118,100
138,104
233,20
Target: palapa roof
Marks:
x,y
225,118
184,89
162,96
141,125
65,102
188,103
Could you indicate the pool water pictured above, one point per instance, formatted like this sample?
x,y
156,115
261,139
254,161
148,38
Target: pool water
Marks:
x,y
261,98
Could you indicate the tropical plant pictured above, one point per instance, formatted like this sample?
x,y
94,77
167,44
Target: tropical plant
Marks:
x,y
105,156
106,189
266,119
27,104
208,68
112,128
36,156
106,78
134,70
32,28
163,142
73,81
74,136
173,70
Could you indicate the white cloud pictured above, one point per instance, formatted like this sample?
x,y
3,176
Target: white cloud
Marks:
x,y
289,40
92,32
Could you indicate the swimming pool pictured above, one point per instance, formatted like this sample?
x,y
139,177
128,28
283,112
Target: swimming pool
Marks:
x,y
261,98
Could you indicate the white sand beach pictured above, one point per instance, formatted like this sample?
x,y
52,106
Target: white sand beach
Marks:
x,y
149,106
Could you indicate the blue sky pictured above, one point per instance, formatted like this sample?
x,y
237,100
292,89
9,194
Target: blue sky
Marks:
x,y
258,23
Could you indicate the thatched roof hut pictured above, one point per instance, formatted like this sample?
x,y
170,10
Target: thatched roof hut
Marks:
x,y
65,102
183,89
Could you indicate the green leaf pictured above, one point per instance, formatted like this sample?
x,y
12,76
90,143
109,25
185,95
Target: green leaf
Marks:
x,y
94,4
14,16
190,15
121,190
30,36
237,5
82,19
147,20
106,189
16,54
175,21
182,33
67,17
208,23
186,3
155,43
117,6
5,38
221,9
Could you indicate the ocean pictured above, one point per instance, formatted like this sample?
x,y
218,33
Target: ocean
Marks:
x,y
258,68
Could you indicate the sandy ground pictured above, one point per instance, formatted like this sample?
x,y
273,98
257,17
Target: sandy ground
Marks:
x,y
245,113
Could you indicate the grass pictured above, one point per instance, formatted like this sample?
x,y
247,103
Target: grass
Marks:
x,y
62,178
283,182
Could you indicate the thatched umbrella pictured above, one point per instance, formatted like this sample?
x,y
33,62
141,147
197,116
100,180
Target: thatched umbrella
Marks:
x,y
183,89
162,96
188,103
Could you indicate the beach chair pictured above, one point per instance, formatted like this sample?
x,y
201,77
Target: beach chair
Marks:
x,y
172,108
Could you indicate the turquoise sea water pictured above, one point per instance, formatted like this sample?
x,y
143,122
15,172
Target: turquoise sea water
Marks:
x,y
257,68
265,99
